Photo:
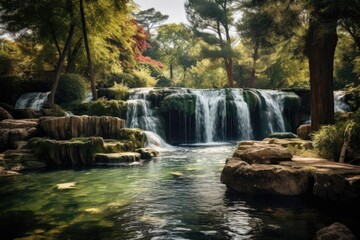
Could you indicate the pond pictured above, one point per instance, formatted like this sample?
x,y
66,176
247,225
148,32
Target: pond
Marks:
x,y
177,195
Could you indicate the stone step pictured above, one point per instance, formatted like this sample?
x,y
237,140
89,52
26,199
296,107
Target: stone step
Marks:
x,y
123,158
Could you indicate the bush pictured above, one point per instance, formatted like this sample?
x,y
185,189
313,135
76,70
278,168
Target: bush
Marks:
x,y
71,88
330,138
120,91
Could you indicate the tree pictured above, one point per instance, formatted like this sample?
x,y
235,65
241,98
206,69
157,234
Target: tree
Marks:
x,y
150,19
175,43
212,20
88,54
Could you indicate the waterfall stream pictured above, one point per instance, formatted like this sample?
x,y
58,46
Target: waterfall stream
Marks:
x,y
34,100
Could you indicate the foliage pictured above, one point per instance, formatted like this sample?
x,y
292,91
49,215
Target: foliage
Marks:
x,y
143,78
150,19
206,74
71,88
330,138
120,91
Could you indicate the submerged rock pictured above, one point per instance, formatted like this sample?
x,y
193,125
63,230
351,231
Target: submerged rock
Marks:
x,y
335,231
116,158
247,172
147,153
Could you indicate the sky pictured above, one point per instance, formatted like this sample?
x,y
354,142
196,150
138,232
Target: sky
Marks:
x,y
174,8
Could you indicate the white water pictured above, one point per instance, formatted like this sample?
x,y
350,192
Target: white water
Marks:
x,y
210,115
139,112
339,103
272,108
34,100
243,115
156,142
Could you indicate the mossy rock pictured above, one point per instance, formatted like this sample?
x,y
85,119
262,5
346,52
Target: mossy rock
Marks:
x,y
133,137
282,135
179,102
291,101
67,153
102,107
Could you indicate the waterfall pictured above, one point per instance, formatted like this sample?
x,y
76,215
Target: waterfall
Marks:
x,y
139,112
242,115
34,100
155,141
210,115
339,102
271,110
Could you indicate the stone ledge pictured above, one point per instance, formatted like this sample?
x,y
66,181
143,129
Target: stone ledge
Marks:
x,y
318,177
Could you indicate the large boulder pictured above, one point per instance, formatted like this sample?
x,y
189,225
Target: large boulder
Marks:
x,y
62,128
303,131
335,231
246,172
263,178
260,152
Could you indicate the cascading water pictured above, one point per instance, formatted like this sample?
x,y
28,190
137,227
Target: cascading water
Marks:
x,y
33,100
271,110
210,115
141,115
242,115
339,103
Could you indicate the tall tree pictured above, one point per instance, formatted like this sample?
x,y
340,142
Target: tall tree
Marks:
x,y
212,20
321,44
88,54
150,19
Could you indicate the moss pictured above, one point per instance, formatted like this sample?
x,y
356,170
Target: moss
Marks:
x,y
71,88
102,107
132,137
179,102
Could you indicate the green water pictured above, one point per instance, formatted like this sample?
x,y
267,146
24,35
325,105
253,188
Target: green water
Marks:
x,y
176,196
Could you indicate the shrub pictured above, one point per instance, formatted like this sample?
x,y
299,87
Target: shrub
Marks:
x,y
330,138
71,88
120,91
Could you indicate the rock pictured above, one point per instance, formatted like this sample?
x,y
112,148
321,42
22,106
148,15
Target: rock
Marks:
x,y
64,128
264,178
303,131
67,153
5,114
117,158
331,181
335,231
7,173
282,135
21,159
147,153
262,153
13,131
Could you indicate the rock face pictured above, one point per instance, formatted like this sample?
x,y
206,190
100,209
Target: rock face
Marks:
x,y
335,231
68,153
13,131
4,114
255,168
62,128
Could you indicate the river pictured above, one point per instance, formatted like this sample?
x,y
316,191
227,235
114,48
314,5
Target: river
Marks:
x,y
177,195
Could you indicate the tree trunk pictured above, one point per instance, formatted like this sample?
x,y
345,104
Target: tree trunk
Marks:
x,y
59,66
253,69
171,71
88,55
70,67
229,71
322,40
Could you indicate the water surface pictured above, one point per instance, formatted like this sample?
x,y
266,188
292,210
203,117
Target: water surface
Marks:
x,y
178,195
